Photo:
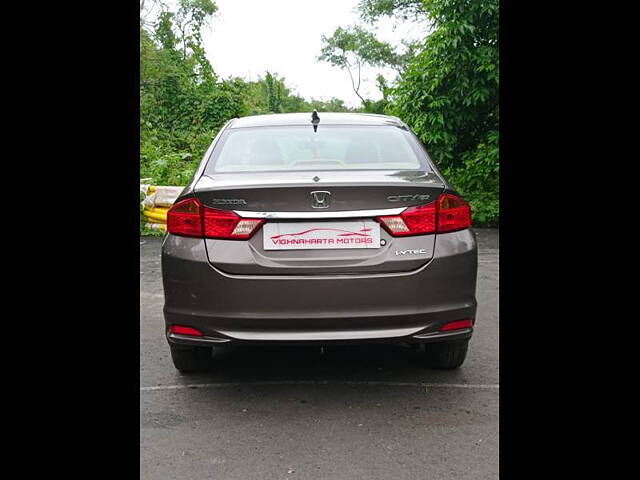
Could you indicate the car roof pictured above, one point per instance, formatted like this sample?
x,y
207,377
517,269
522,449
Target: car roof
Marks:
x,y
326,118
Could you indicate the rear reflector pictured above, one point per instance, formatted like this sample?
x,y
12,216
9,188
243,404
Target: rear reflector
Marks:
x,y
457,325
190,218
447,214
180,330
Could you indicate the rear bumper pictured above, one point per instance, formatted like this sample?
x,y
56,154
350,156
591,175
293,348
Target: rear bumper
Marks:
x,y
306,338
409,306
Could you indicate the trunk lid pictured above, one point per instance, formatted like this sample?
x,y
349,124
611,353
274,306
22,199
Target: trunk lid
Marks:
x,y
286,197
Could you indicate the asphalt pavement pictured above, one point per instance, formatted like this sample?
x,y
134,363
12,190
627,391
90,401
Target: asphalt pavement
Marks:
x,y
295,413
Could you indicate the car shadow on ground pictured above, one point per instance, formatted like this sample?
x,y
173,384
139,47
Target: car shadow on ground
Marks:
x,y
329,363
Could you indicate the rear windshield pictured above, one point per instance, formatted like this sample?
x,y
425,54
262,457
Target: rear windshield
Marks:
x,y
332,147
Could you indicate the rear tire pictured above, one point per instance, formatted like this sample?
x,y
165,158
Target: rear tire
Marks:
x,y
446,355
191,359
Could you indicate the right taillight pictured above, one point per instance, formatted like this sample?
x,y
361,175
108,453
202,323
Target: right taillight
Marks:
x,y
190,218
453,213
413,221
447,214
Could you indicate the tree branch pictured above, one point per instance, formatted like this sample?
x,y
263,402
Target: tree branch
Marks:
x,y
353,85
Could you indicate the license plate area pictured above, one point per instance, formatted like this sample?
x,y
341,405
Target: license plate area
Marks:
x,y
332,235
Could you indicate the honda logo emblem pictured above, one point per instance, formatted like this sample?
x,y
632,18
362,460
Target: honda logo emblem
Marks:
x,y
320,199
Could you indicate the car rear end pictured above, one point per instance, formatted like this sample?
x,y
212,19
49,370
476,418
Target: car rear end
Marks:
x,y
343,233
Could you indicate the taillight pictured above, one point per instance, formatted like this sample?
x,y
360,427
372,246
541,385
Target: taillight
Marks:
x,y
185,218
413,221
226,224
453,213
447,214
181,330
191,219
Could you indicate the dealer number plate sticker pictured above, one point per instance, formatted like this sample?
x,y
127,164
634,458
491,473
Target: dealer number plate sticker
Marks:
x,y
321,235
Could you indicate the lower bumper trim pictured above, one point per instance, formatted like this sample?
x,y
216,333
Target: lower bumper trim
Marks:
x,y
438,336
319,335
187,340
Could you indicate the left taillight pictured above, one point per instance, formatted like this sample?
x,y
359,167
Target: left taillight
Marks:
x,y
190,218
185,218
226,224
447,213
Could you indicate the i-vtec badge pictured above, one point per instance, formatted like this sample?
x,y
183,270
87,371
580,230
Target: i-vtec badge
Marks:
x,y
421,251
408,198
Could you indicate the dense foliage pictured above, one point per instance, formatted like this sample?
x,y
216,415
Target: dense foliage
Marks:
x,y
449,95
446,89
183,103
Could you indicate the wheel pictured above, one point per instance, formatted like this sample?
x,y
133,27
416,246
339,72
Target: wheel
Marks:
x,y
446,355
191,359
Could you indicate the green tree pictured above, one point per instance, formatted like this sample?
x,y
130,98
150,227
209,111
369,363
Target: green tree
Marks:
x,y
449,91
372,10
353,47
182,102
274,91
331,105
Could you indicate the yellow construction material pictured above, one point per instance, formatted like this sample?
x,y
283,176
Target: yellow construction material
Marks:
x,y
157,217
158,200
161,195
153,218
162,210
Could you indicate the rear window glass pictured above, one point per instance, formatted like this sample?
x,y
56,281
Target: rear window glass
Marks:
x,y
332,147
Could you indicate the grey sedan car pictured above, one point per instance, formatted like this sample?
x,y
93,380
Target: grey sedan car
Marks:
x,y
325,228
